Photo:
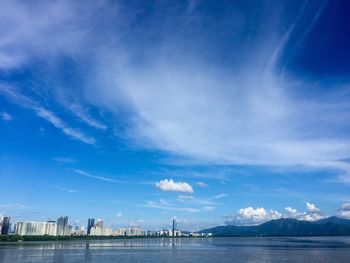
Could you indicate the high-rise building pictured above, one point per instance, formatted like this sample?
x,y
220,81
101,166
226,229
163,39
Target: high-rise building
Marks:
x,y
62,226
99,223
91,223
31,228
5,225
51,228
174,227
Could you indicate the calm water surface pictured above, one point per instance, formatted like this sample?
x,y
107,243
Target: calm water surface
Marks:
x,y
316,249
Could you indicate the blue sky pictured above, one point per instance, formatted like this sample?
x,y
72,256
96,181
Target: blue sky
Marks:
x,y
212,112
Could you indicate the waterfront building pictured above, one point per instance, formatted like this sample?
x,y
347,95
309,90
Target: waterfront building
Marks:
x,y
91,223
98,231
5,226
79,231
30,228
130,231
99,223
51,228
120,232
62,226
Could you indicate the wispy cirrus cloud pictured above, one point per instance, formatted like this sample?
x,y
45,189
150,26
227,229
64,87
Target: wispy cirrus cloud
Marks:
x,y
167,206
211,201
58,123
5,116
64,159
13,206
246,108
201,184
45,114
249,114
64,189
109,179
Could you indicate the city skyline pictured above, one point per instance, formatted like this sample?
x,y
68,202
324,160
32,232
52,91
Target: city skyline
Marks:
x,y
63,228
211,112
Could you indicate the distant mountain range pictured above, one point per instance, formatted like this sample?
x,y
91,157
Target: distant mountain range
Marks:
x,y
332,226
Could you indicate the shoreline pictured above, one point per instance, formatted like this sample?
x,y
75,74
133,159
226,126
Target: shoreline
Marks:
x,y
38,239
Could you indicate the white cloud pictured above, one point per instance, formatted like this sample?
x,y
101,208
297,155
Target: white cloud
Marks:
x,y
12,206
311,208
208,208
79,111
64,189
108,179
253,216
5,116
64,159
45,29
344,211
168,185
246,114
312,213
167,206
45,114
201,184
101,178
58,123
119,214
291,211
185,197
219,196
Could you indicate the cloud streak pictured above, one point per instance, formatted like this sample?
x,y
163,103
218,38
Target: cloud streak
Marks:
x,y
5,116
108,179
45,114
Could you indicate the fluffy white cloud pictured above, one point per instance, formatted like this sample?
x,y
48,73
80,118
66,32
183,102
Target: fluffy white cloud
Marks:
x,y
253,216
311,208
119,214
168,185
344,211
312,213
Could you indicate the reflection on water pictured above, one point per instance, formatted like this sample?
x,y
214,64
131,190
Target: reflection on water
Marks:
x,y
321,249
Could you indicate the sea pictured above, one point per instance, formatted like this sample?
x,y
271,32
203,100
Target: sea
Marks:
x,y
215,249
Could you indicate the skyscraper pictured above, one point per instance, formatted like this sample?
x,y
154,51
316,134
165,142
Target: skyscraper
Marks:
x,y
62,226
91,223
99,223
5,226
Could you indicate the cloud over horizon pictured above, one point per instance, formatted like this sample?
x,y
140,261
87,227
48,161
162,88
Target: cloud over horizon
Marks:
x,y
258,215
